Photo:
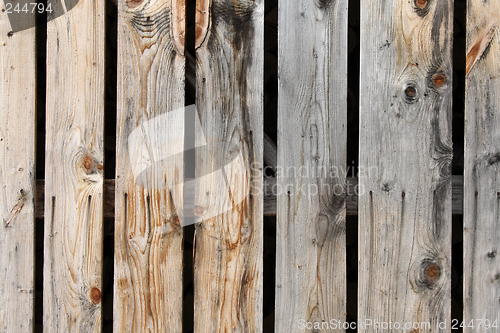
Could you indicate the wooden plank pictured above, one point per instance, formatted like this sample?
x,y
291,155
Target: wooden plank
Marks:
x,y
74,168
229,236
17,174
405,143
270,191
310,237
150,101
482,168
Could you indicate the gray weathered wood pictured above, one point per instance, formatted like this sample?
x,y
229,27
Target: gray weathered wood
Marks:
x,y
74,168
148,235
229,241
17,173
310,239
405,156
482,167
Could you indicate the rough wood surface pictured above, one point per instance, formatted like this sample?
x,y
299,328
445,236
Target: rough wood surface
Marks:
x,y
270,191
17,173
405,156
229,237
150,127
482,168
310,237
74,169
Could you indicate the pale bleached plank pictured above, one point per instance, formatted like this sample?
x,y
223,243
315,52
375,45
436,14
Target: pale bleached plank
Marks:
x,y
74,168
482,168
229,239
148,234
17,174
405,156
310,237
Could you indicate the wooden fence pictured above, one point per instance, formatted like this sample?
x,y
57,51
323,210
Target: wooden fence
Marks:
x,y
404,197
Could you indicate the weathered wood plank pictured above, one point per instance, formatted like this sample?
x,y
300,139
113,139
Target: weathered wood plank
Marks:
x,y
17,173
482,167
310,237
405,156
229,238
150,142
74,168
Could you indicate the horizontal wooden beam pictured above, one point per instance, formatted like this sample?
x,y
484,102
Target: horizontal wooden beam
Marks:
x,y
269,196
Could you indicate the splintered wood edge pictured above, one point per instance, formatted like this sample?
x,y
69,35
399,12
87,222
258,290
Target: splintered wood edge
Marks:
x,y
202,21
269,197
178,24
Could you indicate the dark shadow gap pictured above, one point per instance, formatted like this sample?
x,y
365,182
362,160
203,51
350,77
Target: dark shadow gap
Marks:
x,y
459,61
189,168
271,129
353,66
41,79
110,114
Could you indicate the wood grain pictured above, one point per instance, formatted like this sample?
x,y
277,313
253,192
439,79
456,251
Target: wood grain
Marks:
x,y
74,169
17,173
482,167
310,237
405,156
228,247
148,205
270,191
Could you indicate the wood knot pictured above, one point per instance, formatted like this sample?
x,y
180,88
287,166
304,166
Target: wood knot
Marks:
x,y
10,34
198,211
492,254
494,159
410,93
90,166
421,7
134,3
439,80
95,295
421,3
87,162
433,272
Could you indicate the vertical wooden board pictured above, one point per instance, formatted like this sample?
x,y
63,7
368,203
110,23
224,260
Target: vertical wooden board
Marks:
x,y
17,173
150,142
229,236
311,171
482,168
405,155
74,168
